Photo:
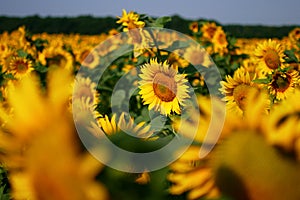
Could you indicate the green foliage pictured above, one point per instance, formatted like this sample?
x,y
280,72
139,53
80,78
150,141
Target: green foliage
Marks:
x,y
4,185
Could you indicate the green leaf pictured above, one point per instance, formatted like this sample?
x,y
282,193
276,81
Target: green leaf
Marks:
x,y
263,81
21,53
8,76
291,58
40,68
159,22
163,20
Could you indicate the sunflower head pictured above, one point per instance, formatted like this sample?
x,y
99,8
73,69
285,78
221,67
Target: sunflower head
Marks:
x,y
20,66
88,58
269,55
162,88
219,41
283,83
194,27
208,30
130,20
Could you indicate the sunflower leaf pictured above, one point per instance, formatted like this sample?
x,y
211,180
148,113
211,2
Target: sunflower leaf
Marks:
x,y
262,81
21,53
291,58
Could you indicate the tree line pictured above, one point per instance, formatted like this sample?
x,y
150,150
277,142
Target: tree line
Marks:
x,y
90,25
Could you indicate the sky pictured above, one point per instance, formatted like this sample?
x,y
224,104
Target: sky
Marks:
x,y
255,12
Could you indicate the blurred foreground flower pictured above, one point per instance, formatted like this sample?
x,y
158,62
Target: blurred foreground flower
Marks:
x,y
39,144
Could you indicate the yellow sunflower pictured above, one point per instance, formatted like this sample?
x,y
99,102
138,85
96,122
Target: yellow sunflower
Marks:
x,y
57,57
236,90
294,35
176,61
208,30
283,83
197,56
269,55
162,88
283,125
130,21
219,41
20,67
112,126
6,57
85,88
190,173
88,58
194,27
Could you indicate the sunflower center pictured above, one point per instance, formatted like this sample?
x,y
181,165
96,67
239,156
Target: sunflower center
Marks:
x,y
21,67
240,95
85,91
281,82
272,59
211,31
197,58
164,87
222,39
89,58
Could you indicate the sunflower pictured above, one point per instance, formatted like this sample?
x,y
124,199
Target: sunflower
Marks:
x,y
194,27
162,88
6,57
88,58
236,90
57,57
197,56
206,177
208,30
294,35
71,176
283,125
20,67
190,173
176,61
219,41
112,126
130,21
283,83
85,88
269,55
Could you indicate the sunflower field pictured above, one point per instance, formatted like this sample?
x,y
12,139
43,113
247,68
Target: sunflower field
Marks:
x,y
145,112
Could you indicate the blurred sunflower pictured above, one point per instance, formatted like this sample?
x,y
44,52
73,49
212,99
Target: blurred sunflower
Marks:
x,y
294,35
85,88
283,125
219,41
33,175
6,57
20,67
224,171
162,88
88,58
208,30
190,173
57,57
176,61
194,27
269,55
197,56
283,83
